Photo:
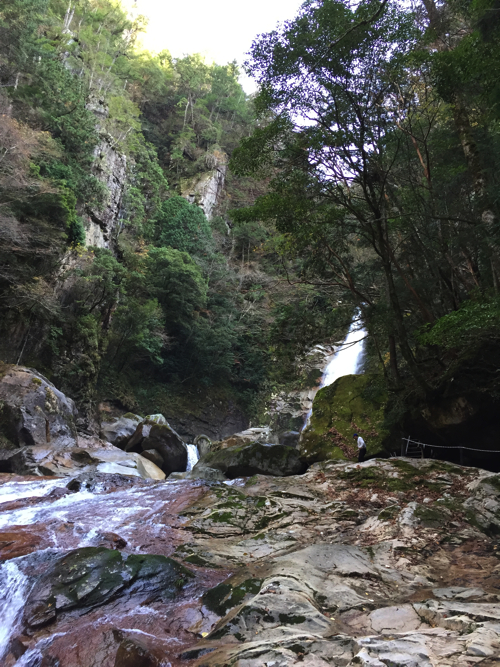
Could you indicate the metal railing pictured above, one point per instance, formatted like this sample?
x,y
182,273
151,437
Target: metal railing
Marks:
x,y
416,449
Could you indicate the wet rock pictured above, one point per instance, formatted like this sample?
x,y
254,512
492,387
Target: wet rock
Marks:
x,y
92,576
17,647
33,412
133,652
254,459
19,541
102,482
156,419
289,571
289,438
169,445
110,540
119,432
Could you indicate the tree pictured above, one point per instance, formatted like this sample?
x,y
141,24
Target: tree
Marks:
x,y
369,184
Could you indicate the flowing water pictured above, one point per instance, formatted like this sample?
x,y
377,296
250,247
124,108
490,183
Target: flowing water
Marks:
x,y
13,589
193,457
41,520
347,360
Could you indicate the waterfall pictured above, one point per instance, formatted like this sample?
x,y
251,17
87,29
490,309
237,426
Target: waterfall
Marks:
x,y
346,361
193,457
13,588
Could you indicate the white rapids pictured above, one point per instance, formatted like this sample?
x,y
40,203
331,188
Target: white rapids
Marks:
x,y
13,590
347,360
193,457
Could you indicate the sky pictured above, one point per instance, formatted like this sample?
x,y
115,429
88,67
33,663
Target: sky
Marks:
x,y
221,30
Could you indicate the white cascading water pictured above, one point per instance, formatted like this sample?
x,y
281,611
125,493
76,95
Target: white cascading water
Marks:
x,y
193,457
346,361
13,590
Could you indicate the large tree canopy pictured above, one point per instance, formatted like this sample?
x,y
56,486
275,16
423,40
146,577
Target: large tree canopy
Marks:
x,y
383,182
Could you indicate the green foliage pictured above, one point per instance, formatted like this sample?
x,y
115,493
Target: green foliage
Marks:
x,y
76,232
183,226
475,322
176,281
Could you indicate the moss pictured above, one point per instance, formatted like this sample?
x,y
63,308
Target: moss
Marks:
x,y
260,536
492,481
298,649
194,559
37,382
224,597
408,478
221,517
352,403
252,480
389,513
291,619
131,415
430,516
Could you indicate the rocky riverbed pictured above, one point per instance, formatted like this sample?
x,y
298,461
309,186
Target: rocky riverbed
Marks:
x,y
391,562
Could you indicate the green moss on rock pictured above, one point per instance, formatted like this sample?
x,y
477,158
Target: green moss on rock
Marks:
x,y
224,597
255,459
353,403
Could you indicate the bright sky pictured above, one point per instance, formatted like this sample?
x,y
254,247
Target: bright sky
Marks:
x,y
221,30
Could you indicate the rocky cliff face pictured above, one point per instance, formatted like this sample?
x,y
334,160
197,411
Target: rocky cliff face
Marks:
x,y
206,189
110,167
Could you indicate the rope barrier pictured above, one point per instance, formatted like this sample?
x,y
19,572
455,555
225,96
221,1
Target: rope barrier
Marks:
x,y
470,449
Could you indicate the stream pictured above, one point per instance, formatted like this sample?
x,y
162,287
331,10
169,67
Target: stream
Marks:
x,y
41,519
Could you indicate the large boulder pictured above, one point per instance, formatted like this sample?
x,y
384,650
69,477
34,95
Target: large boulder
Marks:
x,y
119,432
142,431
169,445
73,460
256,434
33,413
92,576
352,404
254,459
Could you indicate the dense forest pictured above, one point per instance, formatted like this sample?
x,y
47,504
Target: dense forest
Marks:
x,y
111,282
362,178
382,154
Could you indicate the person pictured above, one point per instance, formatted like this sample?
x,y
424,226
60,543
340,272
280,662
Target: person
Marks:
x,y
361,448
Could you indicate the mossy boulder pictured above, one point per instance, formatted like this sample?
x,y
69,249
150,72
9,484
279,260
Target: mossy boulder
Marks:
x,y
255,459
92,576
33,412
352,404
